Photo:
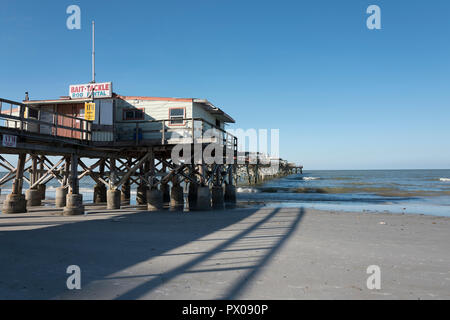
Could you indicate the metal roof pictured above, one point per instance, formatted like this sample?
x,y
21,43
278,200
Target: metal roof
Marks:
x,y
214,110
58,101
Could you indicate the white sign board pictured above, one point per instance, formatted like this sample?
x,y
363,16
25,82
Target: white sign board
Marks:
x,y
9,141
91,90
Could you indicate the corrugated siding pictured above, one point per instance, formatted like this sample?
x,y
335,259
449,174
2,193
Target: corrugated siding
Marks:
x,y
74,110
102,136
47,117
103,111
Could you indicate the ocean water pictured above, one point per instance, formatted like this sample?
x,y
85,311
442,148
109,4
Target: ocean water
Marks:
x,y
395,191
86,188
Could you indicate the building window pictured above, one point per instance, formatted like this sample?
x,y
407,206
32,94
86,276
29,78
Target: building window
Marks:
x,y
33,113
176,116
133,114
81,115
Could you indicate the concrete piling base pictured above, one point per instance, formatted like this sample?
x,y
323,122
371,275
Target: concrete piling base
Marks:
x,y
176,197
99,193
154,200
230,193
33,197
74,205
60,197
203,198
42,188
217,198
14,203
113,199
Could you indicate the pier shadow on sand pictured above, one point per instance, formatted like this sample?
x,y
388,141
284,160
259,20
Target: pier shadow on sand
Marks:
x,y
34,262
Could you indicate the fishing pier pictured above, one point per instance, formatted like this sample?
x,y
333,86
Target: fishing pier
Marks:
x,y
123,142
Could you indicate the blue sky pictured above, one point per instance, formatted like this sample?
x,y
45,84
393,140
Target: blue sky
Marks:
x,y
343,96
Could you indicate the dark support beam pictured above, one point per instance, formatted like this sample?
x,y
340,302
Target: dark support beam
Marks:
x,y
66,172
112,195
41,186
18,182
112,173
73,183
126,190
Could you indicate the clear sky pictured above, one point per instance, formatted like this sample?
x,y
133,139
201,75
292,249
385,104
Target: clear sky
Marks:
x,y
343,96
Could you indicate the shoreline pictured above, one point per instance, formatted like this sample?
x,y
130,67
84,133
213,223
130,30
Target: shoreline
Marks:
x,y
258,204
325,206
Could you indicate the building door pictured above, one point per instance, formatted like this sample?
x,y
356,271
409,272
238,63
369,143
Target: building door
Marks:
x,y
72,110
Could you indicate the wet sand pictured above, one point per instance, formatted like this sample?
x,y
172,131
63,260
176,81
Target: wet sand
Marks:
x,y
267,253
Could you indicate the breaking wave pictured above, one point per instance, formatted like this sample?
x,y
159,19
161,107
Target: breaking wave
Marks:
x,y
247,190
444,179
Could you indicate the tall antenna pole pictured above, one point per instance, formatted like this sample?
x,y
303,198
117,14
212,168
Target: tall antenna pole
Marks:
x,y
93,51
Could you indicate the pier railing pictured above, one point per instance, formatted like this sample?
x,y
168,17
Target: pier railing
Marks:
x,y
169,131
23,119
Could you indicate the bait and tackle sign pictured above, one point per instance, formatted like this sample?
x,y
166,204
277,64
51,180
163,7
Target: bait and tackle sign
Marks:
x,y
91,90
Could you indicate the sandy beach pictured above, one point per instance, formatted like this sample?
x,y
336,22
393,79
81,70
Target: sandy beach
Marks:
x,y
269,253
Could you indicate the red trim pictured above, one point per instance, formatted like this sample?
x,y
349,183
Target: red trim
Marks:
x,y
114,96
154,98
132,109
184,116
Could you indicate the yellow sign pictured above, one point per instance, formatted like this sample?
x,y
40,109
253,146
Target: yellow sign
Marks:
x,y
89,111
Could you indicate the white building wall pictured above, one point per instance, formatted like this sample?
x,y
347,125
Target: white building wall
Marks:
x,y
153,110
104,112
200,112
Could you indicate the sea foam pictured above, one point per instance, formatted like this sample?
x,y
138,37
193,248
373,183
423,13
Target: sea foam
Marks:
x,y
444,179
247,190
